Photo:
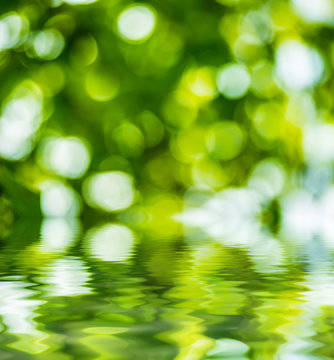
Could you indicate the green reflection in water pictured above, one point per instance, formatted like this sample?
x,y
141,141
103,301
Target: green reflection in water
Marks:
x,y
212,302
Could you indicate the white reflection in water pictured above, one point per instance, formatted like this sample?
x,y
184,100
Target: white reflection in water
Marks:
x,y
229,349
66,277
267,254
232,217
58,234
301,335
18,310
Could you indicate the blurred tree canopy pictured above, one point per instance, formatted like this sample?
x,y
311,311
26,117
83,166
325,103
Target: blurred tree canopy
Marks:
x,y
119,108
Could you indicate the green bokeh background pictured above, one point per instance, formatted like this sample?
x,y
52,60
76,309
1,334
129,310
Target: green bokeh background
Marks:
x,y
151,108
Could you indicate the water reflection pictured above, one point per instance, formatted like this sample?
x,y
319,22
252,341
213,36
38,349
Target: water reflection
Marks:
x,y
66,277
58,234
179,299
18,310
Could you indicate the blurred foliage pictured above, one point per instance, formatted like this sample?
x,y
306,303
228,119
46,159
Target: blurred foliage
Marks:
x,y
116,109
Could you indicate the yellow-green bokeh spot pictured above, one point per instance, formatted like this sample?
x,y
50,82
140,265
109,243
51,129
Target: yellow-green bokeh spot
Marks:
x,y
129,140
269,120
209,174
152,127
101,85
225,140
201,83
84,51
179,109
189,145
51,78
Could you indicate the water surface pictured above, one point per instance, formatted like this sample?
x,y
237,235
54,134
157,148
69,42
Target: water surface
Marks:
x,y
162,299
